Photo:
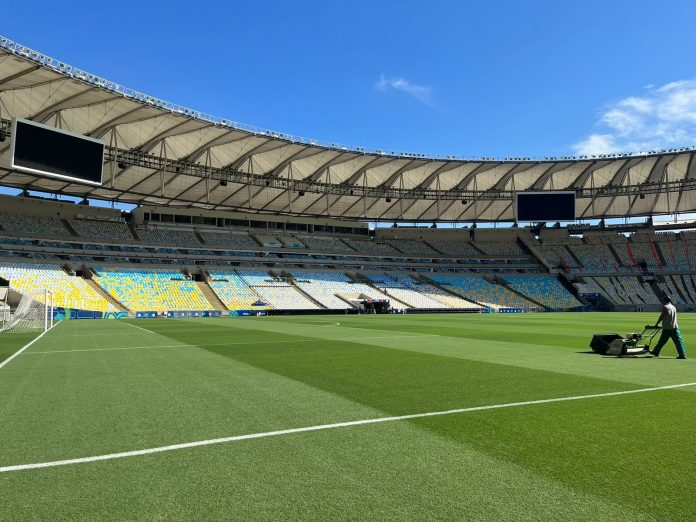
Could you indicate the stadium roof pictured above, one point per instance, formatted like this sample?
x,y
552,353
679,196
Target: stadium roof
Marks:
x,y
159,153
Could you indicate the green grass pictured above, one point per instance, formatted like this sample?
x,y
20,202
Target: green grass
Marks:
x,y
105,386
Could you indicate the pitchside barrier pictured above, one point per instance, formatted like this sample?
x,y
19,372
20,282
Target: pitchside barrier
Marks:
x,y
60,313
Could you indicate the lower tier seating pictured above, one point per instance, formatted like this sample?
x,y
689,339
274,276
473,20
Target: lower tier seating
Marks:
x,y
234,292
405,290
487,294
68,291
152,289
277,293
546,290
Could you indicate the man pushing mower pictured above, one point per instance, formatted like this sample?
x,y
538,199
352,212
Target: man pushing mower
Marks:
x,y
670,330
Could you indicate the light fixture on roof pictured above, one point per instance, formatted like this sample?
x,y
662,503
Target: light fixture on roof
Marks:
x,y
223,183
388,200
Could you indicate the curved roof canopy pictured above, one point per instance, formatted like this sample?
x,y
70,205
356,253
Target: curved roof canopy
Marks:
x,y
159,153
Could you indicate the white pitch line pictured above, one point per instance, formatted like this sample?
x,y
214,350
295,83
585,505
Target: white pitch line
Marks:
x,y
322,427
141,328
19,352
312,340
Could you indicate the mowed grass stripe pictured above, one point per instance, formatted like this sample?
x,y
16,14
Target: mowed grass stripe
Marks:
x,y
323,427
525,466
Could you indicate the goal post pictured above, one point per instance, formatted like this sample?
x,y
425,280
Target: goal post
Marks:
x,y
33,313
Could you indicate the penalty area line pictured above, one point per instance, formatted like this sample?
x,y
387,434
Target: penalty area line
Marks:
x,y
322,427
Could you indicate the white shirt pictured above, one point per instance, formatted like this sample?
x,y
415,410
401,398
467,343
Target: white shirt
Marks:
x,y
669,322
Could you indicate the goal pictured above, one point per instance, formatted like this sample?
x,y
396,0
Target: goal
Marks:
x,y
33,313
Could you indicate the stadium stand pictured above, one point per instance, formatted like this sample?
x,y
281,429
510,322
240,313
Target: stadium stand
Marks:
x,y
675,251
28,224
559,256
403,288
546,290
449,300
371,247
483,292
326,287
168,235
595,258
104,230
234,292
231,240
409,246
151,289
492,271
623,290
500,248
68,291
278,293
326,244
456,248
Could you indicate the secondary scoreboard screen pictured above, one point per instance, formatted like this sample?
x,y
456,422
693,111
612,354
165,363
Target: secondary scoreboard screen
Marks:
x,y
545,206
47,151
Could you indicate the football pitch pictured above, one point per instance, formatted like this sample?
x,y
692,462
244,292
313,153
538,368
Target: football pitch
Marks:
x,y
346,417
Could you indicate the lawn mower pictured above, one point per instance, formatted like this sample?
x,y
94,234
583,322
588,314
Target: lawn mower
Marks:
x,y
632,344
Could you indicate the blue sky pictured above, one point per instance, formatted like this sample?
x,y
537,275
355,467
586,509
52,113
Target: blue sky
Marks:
x,y
492,78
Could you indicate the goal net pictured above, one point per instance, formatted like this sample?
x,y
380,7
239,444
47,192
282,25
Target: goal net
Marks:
x,y
34,313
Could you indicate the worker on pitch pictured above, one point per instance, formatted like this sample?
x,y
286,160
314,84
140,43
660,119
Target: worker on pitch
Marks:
x,y
670,330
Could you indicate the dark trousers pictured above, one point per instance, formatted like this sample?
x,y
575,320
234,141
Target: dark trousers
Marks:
x,y
676,337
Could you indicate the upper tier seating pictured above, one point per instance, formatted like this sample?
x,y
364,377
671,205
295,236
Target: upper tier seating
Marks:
x,y
546,290
326,244
595,257
558,256
152,289
277,293
371,247
167,235
68,291
675,253
645,252
234,292
488,294
500,248
99,229
291,242
409,246
268,240
43,225
456,248
231,240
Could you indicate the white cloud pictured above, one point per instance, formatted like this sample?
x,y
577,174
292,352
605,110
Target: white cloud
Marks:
x,y
422,93
664,117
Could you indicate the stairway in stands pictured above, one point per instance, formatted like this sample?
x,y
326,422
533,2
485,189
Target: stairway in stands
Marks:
x,y
111,299
288,278
211,296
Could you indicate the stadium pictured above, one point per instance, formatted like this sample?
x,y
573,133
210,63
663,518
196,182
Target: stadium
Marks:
x,y
244,342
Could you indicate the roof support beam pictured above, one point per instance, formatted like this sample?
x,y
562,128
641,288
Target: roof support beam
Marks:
x,y
19,74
